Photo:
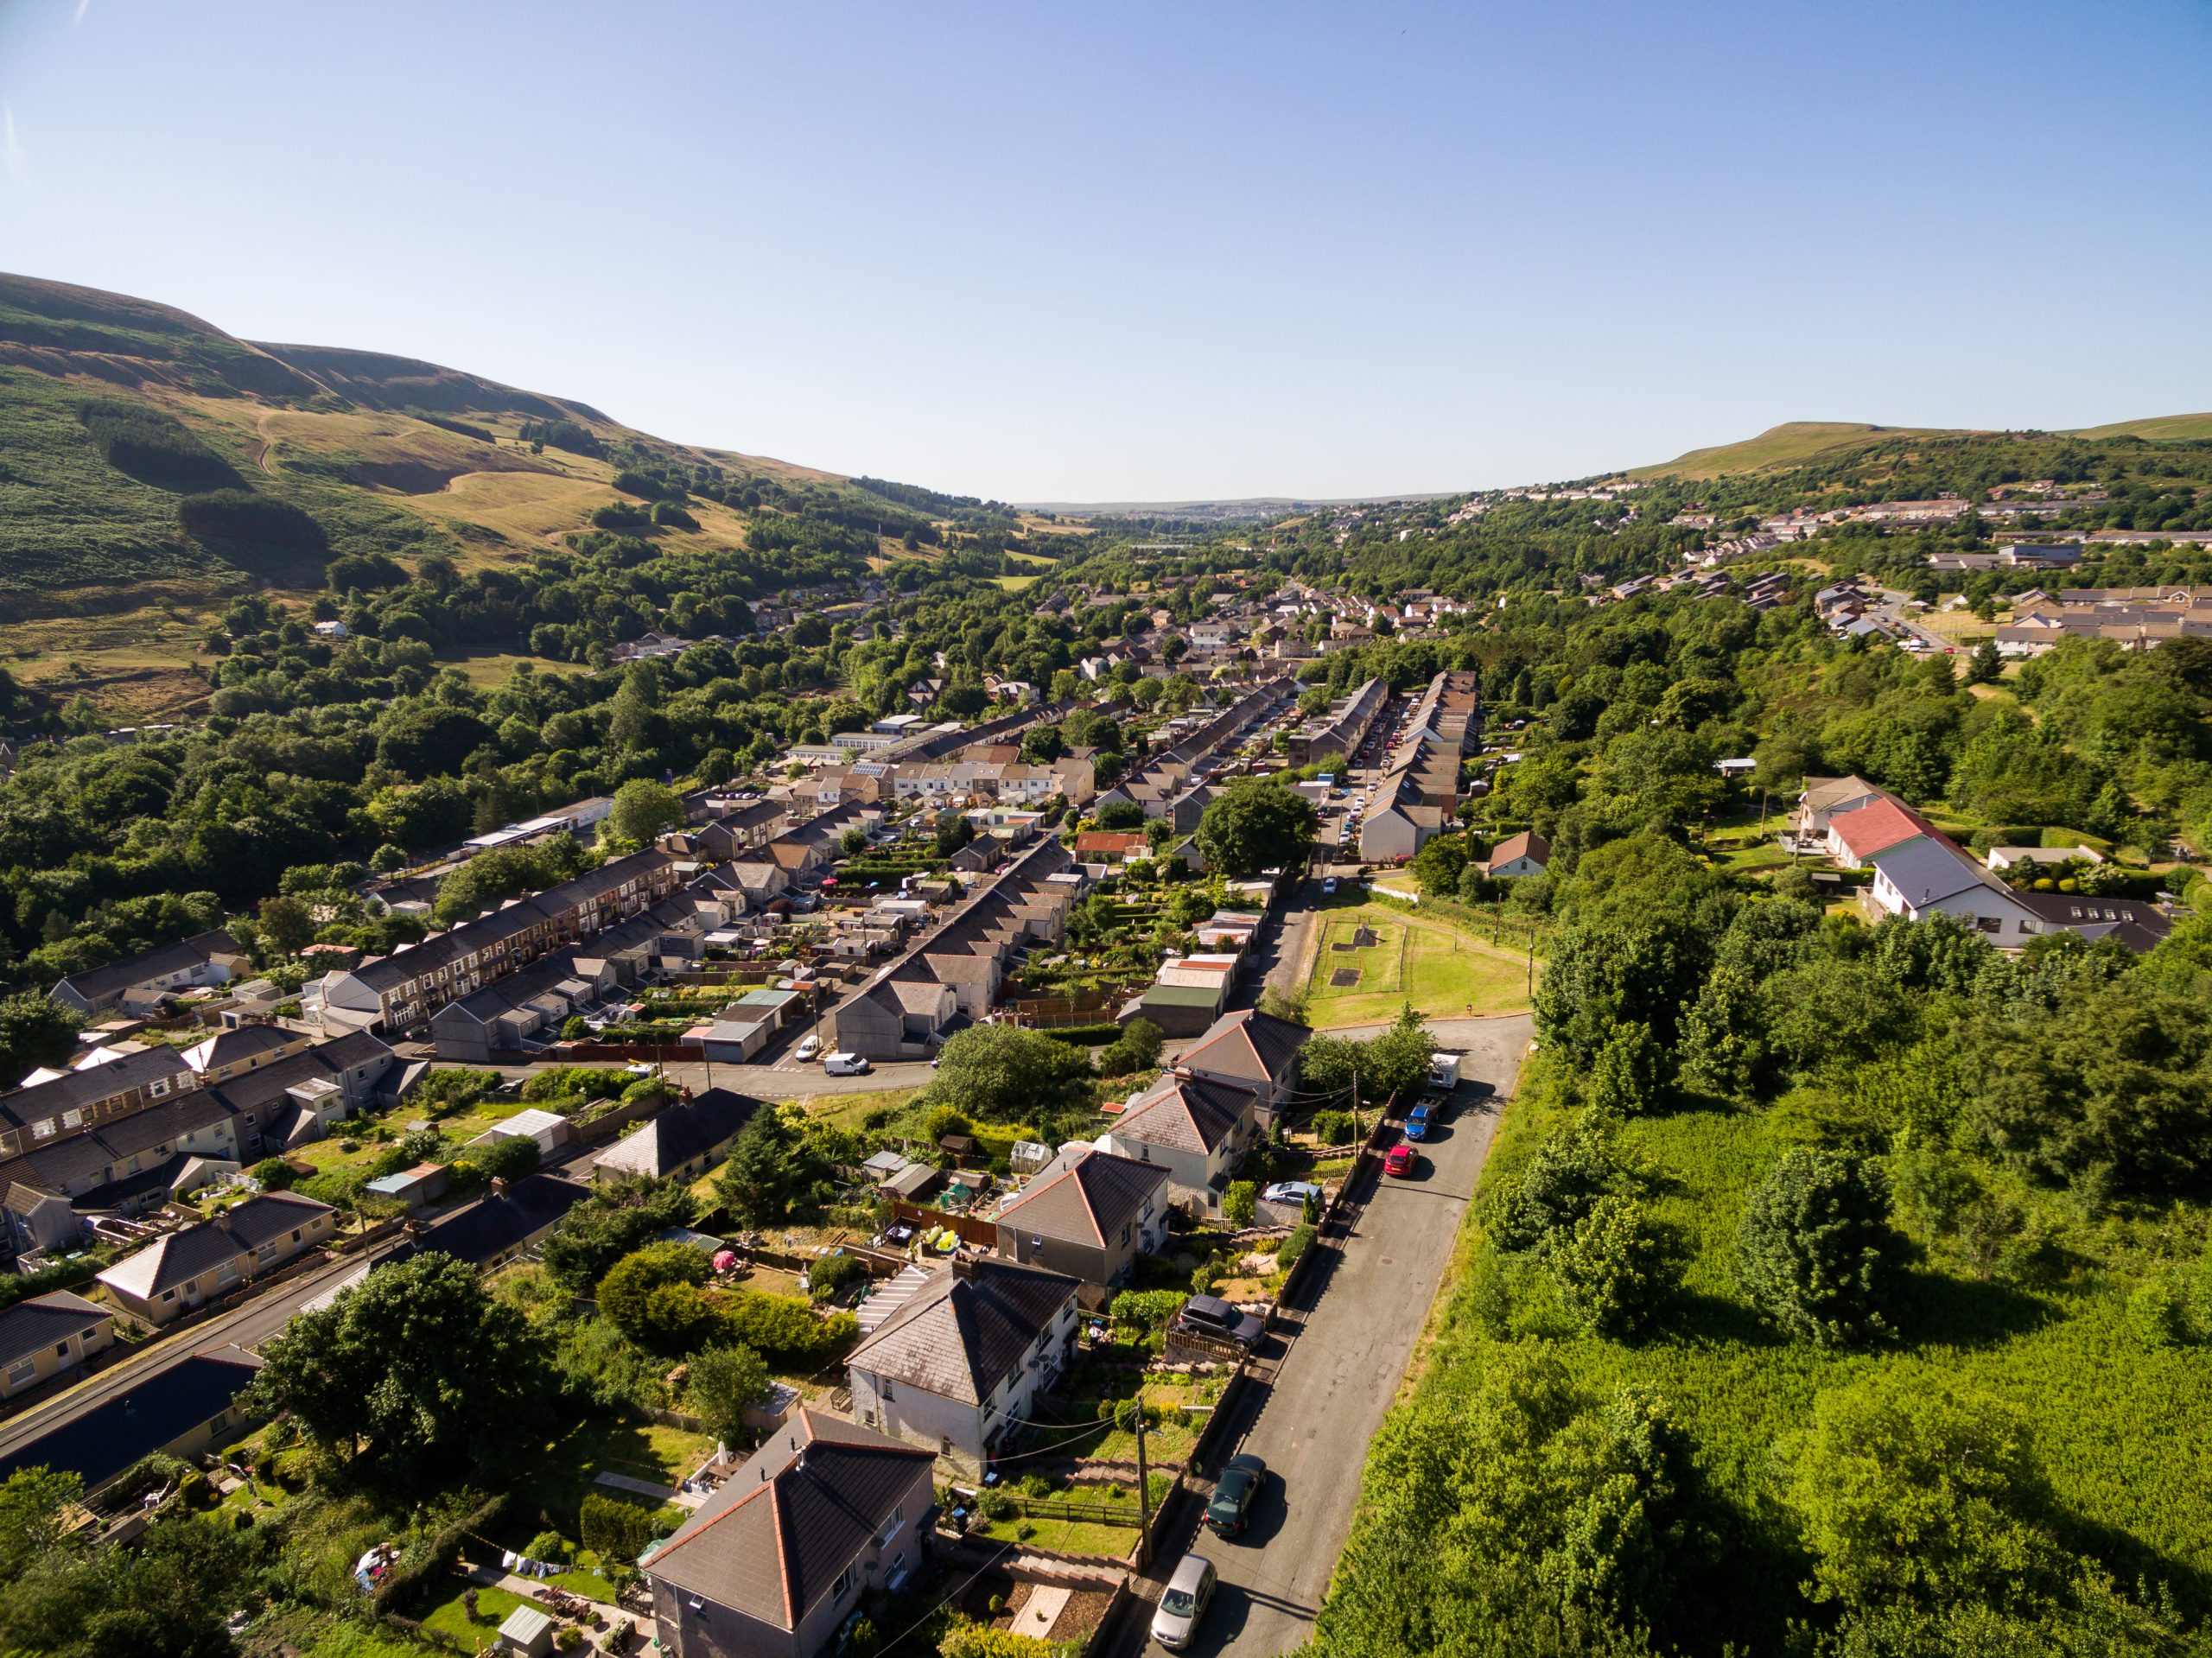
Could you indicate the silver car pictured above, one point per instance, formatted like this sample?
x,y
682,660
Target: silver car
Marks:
x,y
1184,1603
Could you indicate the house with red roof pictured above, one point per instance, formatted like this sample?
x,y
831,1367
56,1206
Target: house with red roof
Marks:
x,y
1856,836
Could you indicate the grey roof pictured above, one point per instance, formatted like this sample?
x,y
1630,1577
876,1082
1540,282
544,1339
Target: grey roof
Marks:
x,y
160,1409
1087,1199
2133,922
1927,871
77,1087
44,1321
675,1136
116,977
234,1046
501,1221
180,1256
774,1538
1249,1039
94,1156
1191,1114
966,1330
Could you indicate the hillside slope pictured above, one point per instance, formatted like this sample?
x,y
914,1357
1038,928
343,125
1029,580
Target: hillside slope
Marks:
x,y
1794,443
120,417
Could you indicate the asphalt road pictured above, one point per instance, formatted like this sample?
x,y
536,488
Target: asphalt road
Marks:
x,y
1348,1344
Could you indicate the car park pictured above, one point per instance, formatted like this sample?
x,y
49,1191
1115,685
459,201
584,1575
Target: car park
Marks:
x,y
1243,1477
1183,1604
1399,1160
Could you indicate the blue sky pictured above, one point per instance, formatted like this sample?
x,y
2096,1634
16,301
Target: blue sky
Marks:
x,y
1130,251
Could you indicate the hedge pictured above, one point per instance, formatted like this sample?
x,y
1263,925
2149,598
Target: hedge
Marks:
x,y
1086,1036
405,1580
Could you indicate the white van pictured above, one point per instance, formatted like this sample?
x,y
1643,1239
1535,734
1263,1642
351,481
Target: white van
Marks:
x,y
845,1064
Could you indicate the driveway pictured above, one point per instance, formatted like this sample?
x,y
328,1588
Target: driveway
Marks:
x,y
1361,1310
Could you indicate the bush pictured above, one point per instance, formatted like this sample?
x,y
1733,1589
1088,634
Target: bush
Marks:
x,y
1332,1127
1300,1240
510,1158
1815,1251
548,1545
832,1274
275,1174
616,1530
786,1331
1147,1309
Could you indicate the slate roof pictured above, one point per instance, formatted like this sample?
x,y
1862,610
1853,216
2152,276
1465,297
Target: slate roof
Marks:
x,y
118,976
1929,869
172,1260
1089,1200
95,1156
79,1087
675,1136
159,1411
804,1507
2138,924
235,1047
40,1321
1190,1113
502,1220
966,1330
1526,844
1272,1043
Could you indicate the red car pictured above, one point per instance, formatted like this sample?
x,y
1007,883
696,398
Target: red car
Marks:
x,y
1400,1161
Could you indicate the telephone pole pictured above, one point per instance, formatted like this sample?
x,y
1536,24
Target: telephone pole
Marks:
x,y
1356,1137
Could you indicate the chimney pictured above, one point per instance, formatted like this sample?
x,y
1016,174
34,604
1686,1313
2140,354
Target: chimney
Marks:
x,y
964,1266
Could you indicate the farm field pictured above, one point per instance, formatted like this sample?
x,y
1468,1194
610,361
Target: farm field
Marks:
x,y
1370,959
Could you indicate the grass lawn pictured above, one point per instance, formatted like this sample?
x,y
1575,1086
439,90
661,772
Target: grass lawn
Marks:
x,y
1014,583
848,1111
1438,967
449,1617
570,1467
364,1132
489,669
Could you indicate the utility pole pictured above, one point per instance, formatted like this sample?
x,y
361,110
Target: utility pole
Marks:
x,y
1356,1137
1144,1493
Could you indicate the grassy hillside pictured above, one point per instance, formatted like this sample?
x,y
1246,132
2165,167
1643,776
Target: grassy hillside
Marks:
x,y
2158,428
1794,443
385,454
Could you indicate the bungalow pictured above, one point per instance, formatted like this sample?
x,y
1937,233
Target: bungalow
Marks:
x,y
1923,875
43,1336
506,1221
1112,846
180,1409
964,1357
1196,1127
1823,799
1855,836
773,1562
1088,1213
139,983
185,1269
681,1142
1517,855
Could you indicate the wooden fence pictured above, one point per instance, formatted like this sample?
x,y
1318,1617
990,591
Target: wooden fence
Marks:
x,y
967,1228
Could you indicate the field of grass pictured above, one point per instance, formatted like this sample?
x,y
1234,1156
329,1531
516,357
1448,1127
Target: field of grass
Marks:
x,y
1015,583
1438,967
488,670
1794,443
848,1110
2167,427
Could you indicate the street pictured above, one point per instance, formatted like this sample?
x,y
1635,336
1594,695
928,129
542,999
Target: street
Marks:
x,y
1360,1313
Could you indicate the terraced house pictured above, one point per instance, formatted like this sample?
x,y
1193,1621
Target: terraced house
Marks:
x,y
400,991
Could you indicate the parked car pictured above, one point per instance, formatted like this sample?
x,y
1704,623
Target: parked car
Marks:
x,y
1292,1191
1399,1160
1418,1121
1234,1494
808,1046
846,1065
1209,1315
1329,887
1184,1603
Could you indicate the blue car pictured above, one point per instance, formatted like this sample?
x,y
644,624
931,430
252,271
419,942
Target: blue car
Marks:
x,y
1417,1123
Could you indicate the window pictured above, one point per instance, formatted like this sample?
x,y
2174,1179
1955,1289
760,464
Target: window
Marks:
x,y
169,1295
21,1372
71,1119
61,1350
42,1129
158,1086
883,1390
1989,923
295,1235
843,1586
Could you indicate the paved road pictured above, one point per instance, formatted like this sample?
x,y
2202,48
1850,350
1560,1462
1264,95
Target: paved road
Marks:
x,y
1350,1340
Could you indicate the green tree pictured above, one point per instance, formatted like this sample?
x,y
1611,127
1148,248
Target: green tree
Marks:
x,y
1240,1202
34,1032
725,1382
1625,1079
1613,1265
170,1592
1815,1249
1921,1491
1256,824
771,1174
642,810
410,1373
651,1295
287,924
1986,665
33,1505
617,1217
1120,815
999,1073
1438,865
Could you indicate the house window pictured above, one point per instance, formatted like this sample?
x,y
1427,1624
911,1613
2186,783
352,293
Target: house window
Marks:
x,y
169,1295
21,1372
1989,923
843,1586
71,1119
884,1391
42,1129
158,1086
61,1352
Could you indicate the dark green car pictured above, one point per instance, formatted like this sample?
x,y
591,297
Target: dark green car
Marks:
x,y
1234,1494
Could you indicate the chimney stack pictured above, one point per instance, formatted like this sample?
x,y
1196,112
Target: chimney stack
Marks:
x,y
964,1266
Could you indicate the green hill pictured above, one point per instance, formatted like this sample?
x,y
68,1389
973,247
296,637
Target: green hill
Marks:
x,y
2158,428
116,412
1794,443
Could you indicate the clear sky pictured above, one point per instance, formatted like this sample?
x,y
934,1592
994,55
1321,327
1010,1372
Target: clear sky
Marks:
x,y
1132,251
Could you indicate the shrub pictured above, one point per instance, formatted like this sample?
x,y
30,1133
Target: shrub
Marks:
x,y
548,1545
652,1296
1332,1127
614,1529
275,1174
1147,1309
831,1274
1240,1202
1816,1250
1300,1240
786,1331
